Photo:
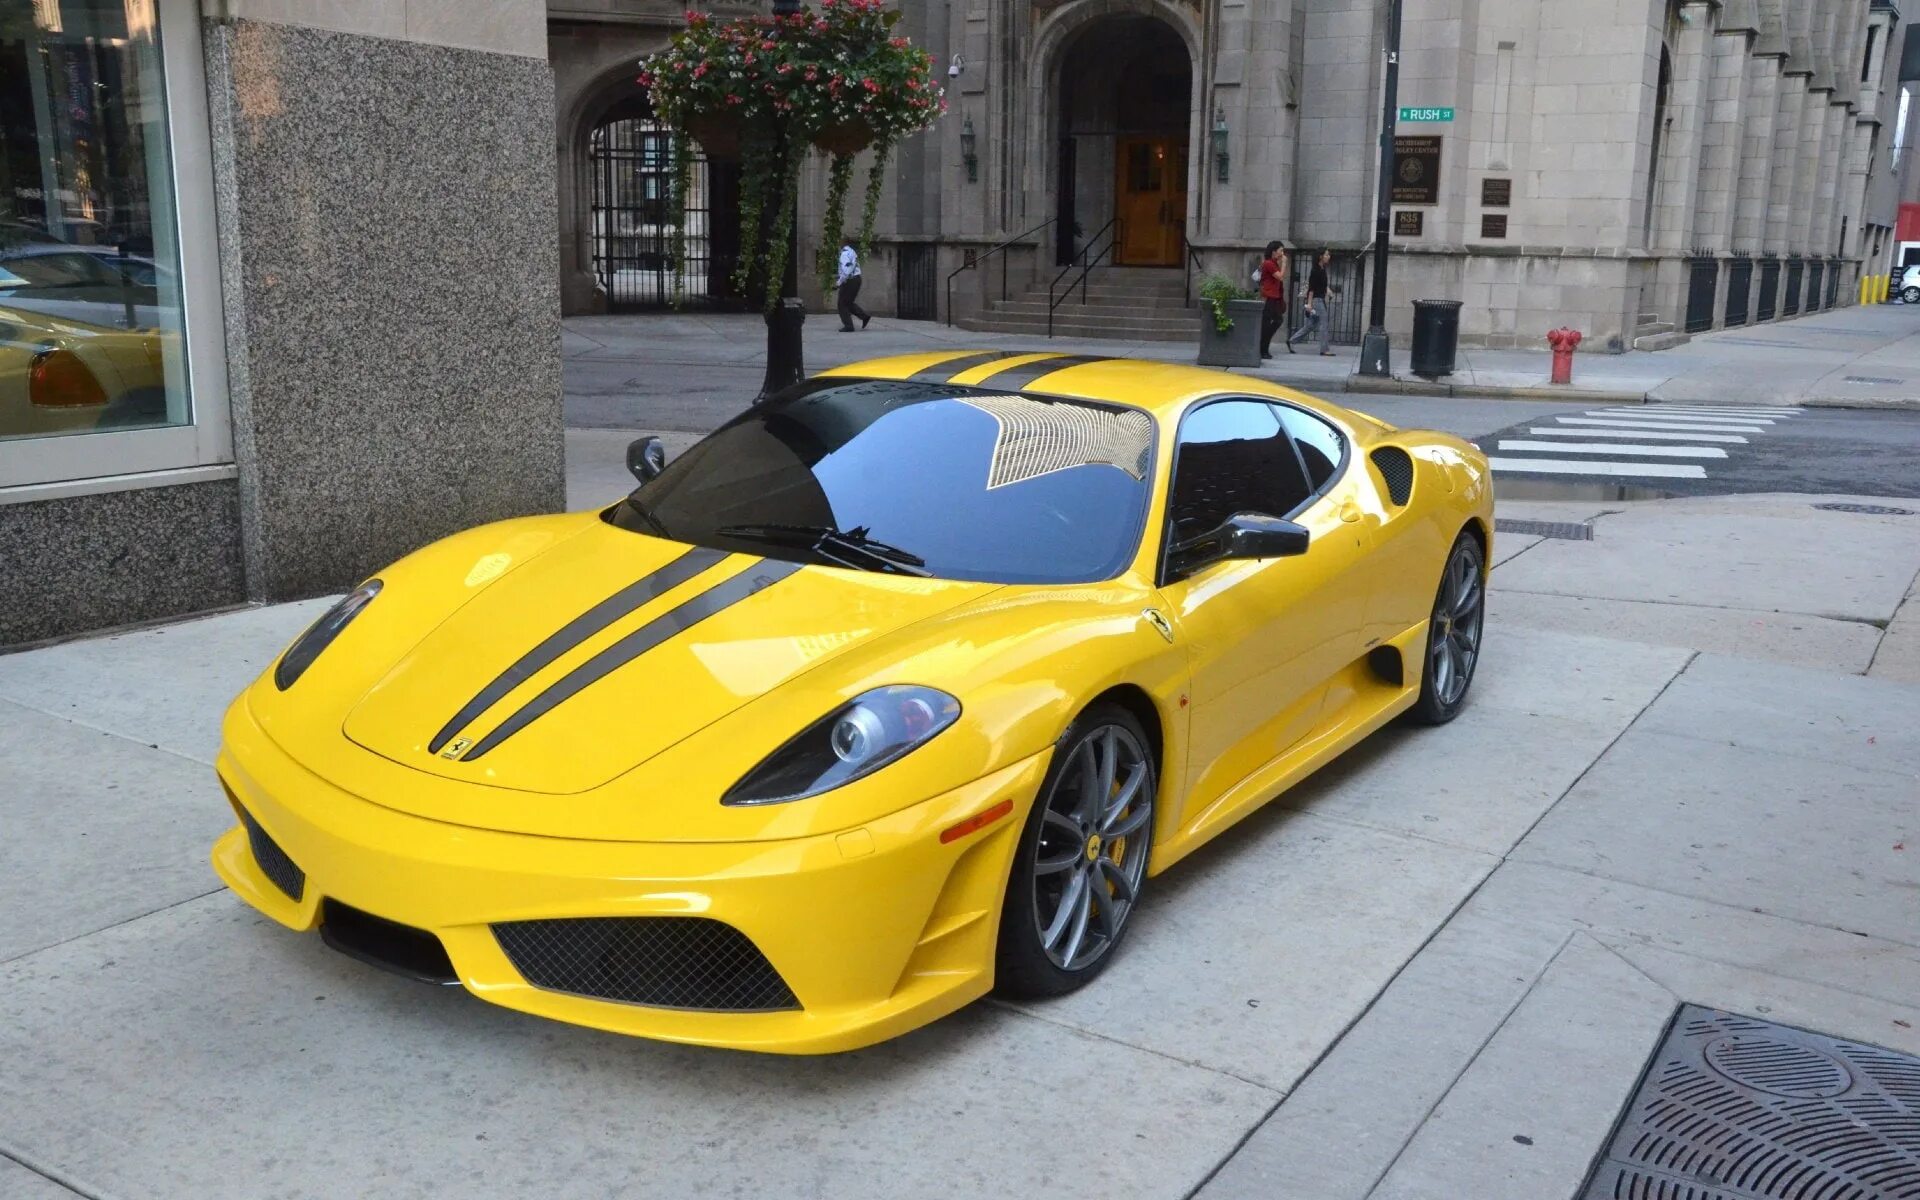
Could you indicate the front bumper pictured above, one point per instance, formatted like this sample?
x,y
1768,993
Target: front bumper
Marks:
x,y
875,930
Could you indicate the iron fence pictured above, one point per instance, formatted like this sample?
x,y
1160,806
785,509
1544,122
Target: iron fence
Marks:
x,y
1815,270
1739,291
1796,276
1703,276
1833,283
1769,289
632,160
916,298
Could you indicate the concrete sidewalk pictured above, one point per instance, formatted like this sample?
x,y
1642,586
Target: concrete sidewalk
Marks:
x,y
1433,971
1855,357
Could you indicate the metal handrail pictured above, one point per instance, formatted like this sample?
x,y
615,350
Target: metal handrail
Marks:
x,y
1193,263
1001,249
1112,235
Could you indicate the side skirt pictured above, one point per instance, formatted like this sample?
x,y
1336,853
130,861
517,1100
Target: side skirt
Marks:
x,y
1358,704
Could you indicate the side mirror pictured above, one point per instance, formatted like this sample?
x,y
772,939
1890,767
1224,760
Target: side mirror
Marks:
x,y
646,458
1241,536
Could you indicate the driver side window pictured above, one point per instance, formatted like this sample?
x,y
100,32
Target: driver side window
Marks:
x,y
1234,456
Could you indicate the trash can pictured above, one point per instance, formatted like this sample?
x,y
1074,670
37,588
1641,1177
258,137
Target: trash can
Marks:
x,y
1436,337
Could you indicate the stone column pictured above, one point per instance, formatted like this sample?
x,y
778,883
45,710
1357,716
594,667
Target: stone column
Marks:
x,y
1833,160
392,311
1686,128
1786,157
1756,152
1719,185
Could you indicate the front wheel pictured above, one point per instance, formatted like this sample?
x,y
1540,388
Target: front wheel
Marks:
x,y
1081,865
1453,634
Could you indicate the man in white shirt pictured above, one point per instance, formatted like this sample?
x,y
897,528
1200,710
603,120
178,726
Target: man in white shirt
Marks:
x,y
850,289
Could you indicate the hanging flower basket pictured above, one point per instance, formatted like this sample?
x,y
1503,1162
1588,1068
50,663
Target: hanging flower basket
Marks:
x,y
718,135
765,90
845,139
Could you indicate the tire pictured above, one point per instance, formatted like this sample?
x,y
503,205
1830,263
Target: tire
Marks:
x,y
1069,860
1459,617
1910,295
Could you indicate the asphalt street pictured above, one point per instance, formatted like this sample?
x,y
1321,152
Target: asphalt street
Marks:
x,y
1864,452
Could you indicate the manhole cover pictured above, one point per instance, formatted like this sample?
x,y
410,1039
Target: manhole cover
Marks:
x,y
1867,510
1565,531
1732,1108
1874,380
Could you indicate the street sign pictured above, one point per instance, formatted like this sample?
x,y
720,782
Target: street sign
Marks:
x,y
1426,114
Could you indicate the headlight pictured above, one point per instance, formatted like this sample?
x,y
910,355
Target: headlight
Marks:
x,y
872,730
320,635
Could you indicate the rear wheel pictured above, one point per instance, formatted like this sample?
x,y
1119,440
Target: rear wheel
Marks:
x,y
1911,295
1082,860
1453,634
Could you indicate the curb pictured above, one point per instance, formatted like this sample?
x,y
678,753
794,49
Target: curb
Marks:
x,y
1399,386
1865,403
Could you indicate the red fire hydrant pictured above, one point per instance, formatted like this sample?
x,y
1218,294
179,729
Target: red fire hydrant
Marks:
x,y
1563,342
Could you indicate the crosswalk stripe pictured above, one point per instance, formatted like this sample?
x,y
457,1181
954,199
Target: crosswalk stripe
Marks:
x,y
1636,415
1609,423
1652,435
1603,448
1769,411
1560,466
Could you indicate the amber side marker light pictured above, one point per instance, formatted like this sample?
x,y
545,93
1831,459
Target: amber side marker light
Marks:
x,y
58,379
976,822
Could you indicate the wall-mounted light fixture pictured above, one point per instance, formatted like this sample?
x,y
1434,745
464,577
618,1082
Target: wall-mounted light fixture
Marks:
x,y
1220,143
968,141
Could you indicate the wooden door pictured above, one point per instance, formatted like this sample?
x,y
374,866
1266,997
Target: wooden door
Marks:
x,y
1151,201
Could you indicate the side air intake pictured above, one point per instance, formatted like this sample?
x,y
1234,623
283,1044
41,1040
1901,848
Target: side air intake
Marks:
x,y
1396,467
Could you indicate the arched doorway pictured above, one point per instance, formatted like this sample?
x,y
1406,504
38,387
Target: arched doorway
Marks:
x,y
1125,93
631,168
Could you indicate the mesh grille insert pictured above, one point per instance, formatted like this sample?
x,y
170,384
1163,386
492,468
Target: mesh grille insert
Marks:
x,y
663,962
1396,468
273,861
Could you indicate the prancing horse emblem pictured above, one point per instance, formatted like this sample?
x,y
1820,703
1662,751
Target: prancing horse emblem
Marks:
x,y
1158,620
456,748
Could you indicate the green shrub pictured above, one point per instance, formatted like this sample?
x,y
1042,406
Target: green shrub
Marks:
x,y
1216,290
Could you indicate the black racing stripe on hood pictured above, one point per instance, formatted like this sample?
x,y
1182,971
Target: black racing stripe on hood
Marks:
x,y
642,591
1014,378
945,372
674,621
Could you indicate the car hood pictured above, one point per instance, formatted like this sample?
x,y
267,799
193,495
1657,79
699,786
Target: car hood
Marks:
x,y
609,649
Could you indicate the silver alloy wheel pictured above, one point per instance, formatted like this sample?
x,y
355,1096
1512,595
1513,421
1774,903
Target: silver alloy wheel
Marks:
x,y
1091,855
1453,643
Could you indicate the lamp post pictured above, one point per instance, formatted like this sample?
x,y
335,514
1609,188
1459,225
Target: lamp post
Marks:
x,y
786,356
1375,353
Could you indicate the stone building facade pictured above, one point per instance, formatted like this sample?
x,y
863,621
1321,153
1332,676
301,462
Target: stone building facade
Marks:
x,y
1626,167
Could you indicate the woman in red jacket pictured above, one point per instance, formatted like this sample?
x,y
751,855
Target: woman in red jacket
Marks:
x,y
1273,292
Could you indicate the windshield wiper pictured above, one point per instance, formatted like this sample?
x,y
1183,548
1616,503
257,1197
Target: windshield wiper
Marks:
x,y
825,538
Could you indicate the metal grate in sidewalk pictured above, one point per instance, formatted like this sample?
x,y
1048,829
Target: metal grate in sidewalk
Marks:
x,y
1733,1108
1566,531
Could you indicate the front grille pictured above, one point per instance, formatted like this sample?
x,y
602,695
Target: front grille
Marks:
x,y
1396,468
273,861
662,962
389,945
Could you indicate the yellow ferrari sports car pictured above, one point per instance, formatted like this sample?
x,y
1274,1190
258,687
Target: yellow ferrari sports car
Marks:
x,y
899,688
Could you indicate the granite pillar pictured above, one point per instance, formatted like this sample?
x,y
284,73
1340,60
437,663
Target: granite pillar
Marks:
x,y
1756,153
387,215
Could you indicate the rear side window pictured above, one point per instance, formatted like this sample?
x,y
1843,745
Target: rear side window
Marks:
x,y
1320,444
1234,456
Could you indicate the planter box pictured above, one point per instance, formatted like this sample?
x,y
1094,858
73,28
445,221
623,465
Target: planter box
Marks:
x,y
1237,347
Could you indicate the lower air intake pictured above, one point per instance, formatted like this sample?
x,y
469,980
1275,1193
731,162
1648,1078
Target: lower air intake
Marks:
x,y
282,871
662,962
1396,468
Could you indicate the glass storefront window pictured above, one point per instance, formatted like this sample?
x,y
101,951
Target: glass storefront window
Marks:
x,y
92,316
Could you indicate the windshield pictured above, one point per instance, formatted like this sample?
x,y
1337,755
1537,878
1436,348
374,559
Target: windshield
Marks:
x,y
958,483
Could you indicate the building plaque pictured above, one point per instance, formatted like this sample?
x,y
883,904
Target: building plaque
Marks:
x,y
1416,170
1493,225
1496,193
1409,224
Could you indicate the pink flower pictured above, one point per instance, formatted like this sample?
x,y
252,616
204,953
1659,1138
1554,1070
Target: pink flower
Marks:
x,y
700,70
